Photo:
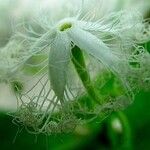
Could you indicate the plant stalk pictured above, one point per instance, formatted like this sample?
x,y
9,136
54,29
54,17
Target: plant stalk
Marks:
x,y
80,66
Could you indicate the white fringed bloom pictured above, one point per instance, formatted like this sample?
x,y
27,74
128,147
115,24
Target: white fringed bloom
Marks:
x,y
111,40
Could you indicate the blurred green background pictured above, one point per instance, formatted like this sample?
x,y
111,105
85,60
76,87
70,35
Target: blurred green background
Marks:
x,y
129,129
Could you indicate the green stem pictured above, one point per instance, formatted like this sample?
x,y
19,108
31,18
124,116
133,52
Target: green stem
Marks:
x,y
122,140
80,66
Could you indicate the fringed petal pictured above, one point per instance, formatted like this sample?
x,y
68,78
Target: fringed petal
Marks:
x,y
94,46
59,57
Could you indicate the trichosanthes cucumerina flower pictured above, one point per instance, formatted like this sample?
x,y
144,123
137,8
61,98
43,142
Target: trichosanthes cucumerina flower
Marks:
x,y
75,46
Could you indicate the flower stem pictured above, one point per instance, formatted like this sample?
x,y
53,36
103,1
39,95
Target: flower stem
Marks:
x,y
120,137
80,66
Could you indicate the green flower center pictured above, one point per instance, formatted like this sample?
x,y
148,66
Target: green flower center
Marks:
x,y
65,26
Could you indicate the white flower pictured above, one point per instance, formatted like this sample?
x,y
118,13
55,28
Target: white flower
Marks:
x,y
67,40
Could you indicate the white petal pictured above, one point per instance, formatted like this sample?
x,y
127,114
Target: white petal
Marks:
x,y
95,47
59,57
